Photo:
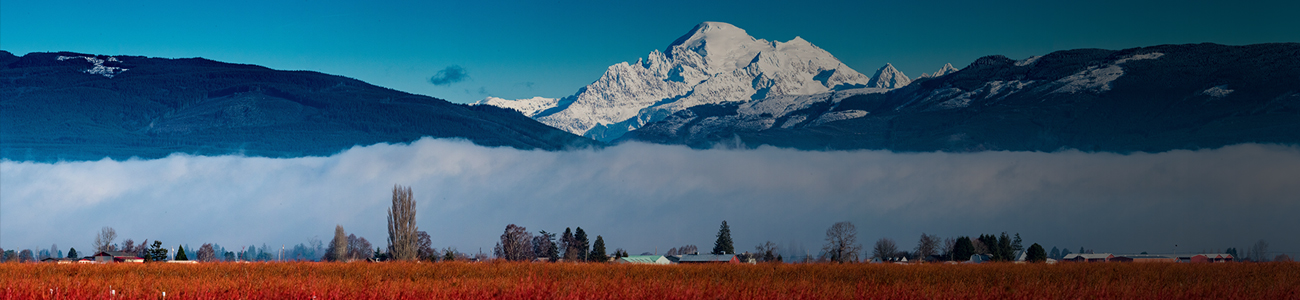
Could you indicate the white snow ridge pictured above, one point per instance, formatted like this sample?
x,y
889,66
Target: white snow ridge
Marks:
x,y
945,70
713,63
528,107
99,67
1098,78
1217,91
888,77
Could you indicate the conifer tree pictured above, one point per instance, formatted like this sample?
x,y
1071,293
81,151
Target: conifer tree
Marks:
x,y
157,252
570,245
1035,253
180,253
72,253
963,249
580,237
598,250
723,245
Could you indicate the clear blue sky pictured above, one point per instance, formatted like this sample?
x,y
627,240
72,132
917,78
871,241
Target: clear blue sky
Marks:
x,y
551,48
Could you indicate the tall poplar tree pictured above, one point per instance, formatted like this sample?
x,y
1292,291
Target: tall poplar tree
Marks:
x,y
338,250
403,236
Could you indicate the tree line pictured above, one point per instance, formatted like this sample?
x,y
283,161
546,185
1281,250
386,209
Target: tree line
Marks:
x,y
407,243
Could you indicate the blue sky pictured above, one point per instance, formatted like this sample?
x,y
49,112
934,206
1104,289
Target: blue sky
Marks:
x,y
519,49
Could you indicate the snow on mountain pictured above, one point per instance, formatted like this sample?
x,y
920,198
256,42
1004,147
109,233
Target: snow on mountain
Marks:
x,y
714,63
945,70
528,107
1098,78
888,77
99,68
786,111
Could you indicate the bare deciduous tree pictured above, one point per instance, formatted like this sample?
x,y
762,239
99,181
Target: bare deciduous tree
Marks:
x,y
884,249
842,243
426,250
104,240
980,247
516,244
128,245
544,246
949,244
403,241
1259,252
359,248
767,251
338,250
927,246
206,253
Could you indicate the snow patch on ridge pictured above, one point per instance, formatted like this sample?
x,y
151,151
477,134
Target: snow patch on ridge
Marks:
x,y
528,107
1098,78
838,116
1217,91
1028,61
99,68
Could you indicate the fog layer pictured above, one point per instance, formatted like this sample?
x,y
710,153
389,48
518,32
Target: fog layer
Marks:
x,y
645,198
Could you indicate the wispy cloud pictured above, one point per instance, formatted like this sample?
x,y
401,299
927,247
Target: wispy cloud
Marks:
x,y
641,197
451,74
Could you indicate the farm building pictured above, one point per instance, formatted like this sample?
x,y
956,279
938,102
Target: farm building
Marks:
x,y
1143,258
54,260
644,259
1212,257
104,257
708,258
1088,257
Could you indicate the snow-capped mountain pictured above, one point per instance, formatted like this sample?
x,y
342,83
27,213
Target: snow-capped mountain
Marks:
x,y
1150,99
714,63
945,70
889,78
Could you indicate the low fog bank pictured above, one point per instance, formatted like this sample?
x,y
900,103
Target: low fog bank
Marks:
x,y
643,197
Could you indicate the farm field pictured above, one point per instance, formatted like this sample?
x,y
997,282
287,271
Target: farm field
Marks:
x,y
606,281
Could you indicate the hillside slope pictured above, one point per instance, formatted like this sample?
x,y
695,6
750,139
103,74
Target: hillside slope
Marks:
x,y
1142,99
72,106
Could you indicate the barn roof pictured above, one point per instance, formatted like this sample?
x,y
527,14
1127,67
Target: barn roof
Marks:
x,y
645,259
707,258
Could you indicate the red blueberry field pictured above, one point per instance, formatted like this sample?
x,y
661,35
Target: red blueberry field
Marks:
x,y
610,281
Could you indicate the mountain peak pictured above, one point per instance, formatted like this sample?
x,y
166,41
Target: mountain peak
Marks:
x,y
711,31
888,77
715,39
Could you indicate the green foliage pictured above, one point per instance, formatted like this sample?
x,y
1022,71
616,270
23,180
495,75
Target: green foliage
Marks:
x,y
723,245
72,253
598,250
156,252
963,249
1004,250
180,253
1035,253
580,238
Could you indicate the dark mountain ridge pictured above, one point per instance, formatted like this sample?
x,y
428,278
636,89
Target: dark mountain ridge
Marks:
x,y
73,106
1149,99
